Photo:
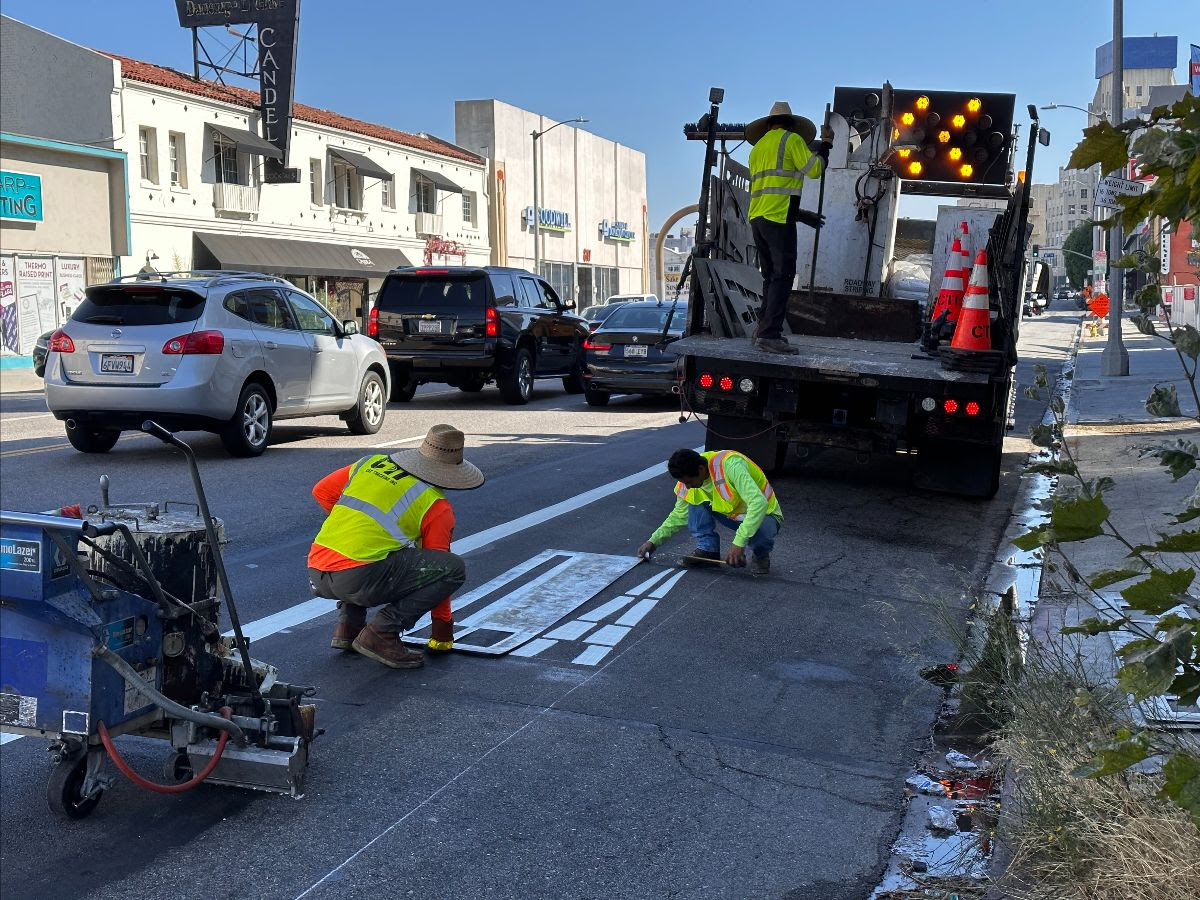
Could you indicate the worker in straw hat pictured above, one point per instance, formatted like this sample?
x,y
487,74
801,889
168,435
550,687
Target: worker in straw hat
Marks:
x,y
785,152
386,542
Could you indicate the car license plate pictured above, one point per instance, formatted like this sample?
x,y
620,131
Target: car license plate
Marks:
x,y
429,327
121,363
635,350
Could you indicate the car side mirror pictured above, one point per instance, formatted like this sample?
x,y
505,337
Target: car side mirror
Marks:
x,y
349,326
568,304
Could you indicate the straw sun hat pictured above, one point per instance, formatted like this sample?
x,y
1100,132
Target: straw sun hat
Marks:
x,y
439,460
802,126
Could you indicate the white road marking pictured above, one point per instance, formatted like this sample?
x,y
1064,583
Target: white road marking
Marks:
x,y
571,630
609,635
533,648
663,588
5,738
649,583
591,655
27,418
407,440
286,618
637,613
605,610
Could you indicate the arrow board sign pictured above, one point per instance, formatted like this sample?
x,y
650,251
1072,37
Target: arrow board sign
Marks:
x,y
1110,188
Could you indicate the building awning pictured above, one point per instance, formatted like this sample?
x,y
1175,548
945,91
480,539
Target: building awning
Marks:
x,y
362,163
280,257
247,141
440,180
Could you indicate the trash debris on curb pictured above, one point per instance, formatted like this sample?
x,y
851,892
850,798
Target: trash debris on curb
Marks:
x,y
941,819
923,784
961,761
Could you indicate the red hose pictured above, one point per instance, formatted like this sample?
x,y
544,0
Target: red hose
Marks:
x,y
165,788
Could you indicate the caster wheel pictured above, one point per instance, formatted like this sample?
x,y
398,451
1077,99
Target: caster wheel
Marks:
x,y
65,790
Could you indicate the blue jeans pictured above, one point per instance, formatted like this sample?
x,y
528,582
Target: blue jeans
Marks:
x,y
702,523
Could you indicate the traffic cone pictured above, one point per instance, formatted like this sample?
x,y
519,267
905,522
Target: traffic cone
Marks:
x,y
950,294
967,255
974,330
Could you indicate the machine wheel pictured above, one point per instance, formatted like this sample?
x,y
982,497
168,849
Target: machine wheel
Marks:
x,y
474,386
516,384
596,398
367,416
250,428
574,382
64,792
403,389
178,767
92,440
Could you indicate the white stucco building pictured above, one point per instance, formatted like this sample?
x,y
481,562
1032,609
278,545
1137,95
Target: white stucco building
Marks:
x,y
592,195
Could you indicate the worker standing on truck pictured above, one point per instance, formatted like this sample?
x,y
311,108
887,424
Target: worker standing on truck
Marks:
x,y
386,542
727,488
781,159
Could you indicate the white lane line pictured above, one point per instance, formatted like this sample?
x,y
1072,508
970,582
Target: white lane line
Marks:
x,y
533,648
287,618
609,635
637,613
5,738
591,655
666,586
27,418
605,610
649,583
407,440
571,630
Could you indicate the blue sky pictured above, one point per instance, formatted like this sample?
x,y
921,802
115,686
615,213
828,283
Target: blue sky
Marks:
x,y
639,71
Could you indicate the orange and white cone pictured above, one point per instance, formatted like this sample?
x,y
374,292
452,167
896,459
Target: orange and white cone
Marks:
x,y
950,294
974,330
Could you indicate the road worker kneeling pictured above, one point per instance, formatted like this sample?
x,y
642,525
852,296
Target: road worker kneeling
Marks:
x,y
722,487
386,542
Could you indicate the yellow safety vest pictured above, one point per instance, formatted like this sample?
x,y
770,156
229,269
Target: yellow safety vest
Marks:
x,y
774,177
724,500
380,510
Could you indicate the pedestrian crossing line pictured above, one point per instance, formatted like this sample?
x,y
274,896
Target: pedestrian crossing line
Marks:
x,y
637,612
571,630
609,635
592,655
649,583
605,610
662,589
534,647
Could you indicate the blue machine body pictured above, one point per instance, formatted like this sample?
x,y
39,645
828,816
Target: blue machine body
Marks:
x,y
50,684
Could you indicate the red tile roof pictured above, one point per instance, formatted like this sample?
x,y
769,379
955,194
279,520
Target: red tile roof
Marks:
x,y
148,73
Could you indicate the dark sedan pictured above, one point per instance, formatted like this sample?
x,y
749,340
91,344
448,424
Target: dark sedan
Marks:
x,y
628,354
595,315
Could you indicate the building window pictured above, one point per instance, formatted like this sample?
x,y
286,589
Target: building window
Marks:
x,y
148,154
1083,193
316,190
561,277
225,161
177,152
1139,90
1071,209
426,193
389,192
468,198
347,186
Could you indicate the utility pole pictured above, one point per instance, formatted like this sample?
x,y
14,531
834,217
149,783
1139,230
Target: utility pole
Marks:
x,y
1115,358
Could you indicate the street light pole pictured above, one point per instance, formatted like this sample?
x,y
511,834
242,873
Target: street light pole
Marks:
x,y
1115,358
537,211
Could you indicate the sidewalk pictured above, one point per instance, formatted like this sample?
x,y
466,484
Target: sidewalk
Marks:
x,y
14,381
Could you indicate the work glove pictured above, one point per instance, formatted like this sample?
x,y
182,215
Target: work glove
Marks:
x,y
441,637
822,148
810,218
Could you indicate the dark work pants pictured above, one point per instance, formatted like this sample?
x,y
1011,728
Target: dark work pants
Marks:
x,y
407,583
776,245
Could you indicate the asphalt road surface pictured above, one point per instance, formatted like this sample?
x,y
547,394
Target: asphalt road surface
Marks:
x,y
718,736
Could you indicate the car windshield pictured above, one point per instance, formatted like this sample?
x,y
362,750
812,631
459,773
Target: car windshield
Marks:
x,y
646,318
138,305
420,292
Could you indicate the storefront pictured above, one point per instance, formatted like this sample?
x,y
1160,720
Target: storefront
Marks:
x,y
64,224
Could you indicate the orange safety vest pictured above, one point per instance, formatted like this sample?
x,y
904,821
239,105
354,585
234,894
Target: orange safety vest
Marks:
x,y
724,500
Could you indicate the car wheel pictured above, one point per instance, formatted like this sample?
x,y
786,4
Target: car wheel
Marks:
x,y
92,440
474,386
574,383
596,398
403,389
367,416
516,384
250,428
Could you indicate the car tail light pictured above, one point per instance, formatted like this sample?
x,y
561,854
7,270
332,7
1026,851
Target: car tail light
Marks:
x,y
972,408
726,383
60,342
432,272
591,345
706,381
209,342
491,320
373,322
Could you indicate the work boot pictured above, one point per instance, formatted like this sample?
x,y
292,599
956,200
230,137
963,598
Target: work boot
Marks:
x,y
441,637
387,649
350,622
696,554
775,345
760,565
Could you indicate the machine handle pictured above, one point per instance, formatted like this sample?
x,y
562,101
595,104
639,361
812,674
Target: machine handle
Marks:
x,y
156,430
58,523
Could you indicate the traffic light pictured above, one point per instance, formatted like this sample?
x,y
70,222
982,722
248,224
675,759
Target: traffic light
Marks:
x,y
1036,248
956,138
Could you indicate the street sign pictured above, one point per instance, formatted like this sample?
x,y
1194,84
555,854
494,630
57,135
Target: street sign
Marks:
x,y
1164,252
1112,187
1099,258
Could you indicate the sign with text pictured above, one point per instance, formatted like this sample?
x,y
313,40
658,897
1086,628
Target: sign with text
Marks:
x,y
278,24
615,231
1111,187
1164,252
547,219
1099,258
20,196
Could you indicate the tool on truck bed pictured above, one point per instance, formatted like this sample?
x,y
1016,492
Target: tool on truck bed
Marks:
x,y
110,627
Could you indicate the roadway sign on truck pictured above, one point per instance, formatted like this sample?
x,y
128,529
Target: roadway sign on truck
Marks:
x,y
1112,187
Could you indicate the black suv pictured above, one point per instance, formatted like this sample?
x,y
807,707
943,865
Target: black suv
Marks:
x,y
467,325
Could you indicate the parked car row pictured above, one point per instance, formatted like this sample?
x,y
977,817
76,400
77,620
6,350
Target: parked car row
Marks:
x,y
234,352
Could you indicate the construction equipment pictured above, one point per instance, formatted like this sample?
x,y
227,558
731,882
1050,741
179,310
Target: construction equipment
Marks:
x,y
100,638
863,380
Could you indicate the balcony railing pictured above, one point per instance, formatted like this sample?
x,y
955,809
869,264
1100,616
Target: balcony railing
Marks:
x,y
429,224
235,198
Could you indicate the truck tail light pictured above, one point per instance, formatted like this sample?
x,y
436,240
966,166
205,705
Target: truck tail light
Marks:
x,y
61,343
198,342
950,406
491,320
592,345
972,408
705,381
373,323
726,383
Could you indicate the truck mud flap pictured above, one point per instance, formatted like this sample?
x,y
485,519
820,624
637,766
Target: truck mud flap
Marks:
x,y
969,470
757,438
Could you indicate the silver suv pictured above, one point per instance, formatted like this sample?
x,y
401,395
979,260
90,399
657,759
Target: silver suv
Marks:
x,y
226,352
